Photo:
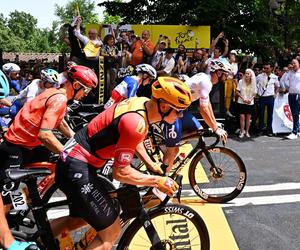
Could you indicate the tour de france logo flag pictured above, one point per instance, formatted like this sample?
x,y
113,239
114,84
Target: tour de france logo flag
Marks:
x,y
177,34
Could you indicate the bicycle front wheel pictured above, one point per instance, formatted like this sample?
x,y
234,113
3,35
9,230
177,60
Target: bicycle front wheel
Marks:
x,y
221,187
178,227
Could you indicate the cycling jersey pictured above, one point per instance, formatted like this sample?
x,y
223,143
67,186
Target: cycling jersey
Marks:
x,y
46,111
200,86
126,89
114,133
27,94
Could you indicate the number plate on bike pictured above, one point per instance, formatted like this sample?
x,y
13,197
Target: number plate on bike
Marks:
x,y
18,199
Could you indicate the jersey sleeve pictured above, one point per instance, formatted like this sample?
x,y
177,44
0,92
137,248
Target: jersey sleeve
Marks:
x,y
132,129
132,86
55,111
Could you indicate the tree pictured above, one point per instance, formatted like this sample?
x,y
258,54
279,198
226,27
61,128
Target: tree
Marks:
x,y
85,7
248,24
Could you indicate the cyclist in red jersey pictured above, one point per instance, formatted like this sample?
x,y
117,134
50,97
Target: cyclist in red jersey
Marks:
x,y
34,123
114,133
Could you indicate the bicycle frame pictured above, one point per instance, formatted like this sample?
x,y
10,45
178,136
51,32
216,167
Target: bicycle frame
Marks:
x,y
44,230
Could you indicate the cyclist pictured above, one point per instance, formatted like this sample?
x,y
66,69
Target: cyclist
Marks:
x,y
49,79
114,133
128,87
200,86
12,72
6,239
34,123
4,102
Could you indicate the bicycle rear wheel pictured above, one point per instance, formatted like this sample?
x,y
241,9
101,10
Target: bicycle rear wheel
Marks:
x,y
178,227
213,188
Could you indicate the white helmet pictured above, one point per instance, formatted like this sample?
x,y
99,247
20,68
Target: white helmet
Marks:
x,y
220,64
146,68
183,77
10,67
50,76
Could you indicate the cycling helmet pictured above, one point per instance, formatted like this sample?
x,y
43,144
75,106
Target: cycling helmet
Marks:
x,y
182,77
146,68
173,91
84,75
220,64
4,85
10,67
50,76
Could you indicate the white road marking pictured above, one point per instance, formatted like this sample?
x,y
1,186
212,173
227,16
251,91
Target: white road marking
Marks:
x,y
258,200
263,200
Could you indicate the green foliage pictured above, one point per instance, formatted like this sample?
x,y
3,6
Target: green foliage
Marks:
x,y
248,24
86,9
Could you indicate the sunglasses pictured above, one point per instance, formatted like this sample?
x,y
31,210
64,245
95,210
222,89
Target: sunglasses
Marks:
x,y
86,89
177,110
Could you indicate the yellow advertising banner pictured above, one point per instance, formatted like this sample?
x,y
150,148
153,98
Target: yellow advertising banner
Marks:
x,y
178,34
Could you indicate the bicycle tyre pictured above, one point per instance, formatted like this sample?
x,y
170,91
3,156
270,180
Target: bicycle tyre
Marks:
x,y
176,214
215,189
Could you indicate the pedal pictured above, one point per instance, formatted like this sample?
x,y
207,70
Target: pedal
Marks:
x,y
27,223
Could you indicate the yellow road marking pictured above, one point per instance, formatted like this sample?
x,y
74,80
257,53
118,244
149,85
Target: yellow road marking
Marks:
x,y
186,148
220,234
221,237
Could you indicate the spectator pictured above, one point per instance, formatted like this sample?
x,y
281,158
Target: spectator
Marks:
x,y
230,83
110,53
142,49
293,87
159,50
125,55
246,92
196,62
267,85
76,45
92,43
166,63
25,81
181,61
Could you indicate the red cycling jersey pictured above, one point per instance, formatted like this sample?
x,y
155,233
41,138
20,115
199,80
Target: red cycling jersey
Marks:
x,y
46,111
114,133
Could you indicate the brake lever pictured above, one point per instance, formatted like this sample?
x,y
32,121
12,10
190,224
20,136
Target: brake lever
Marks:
x,y
179,182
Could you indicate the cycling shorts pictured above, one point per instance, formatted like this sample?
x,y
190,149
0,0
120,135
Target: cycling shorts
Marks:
x,y
173,132
86,193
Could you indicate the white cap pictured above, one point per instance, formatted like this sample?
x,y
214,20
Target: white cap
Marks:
x,y
233,52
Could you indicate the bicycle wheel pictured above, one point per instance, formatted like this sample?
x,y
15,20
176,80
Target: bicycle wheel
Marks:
x,y
178,227
218,189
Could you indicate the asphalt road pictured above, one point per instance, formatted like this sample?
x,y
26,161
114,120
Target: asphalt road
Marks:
x,y
268,216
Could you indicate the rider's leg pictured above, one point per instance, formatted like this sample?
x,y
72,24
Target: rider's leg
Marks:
x,y
106,237
66,224
169,157
6,237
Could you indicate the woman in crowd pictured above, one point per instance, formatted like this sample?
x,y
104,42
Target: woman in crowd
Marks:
x,y
246,91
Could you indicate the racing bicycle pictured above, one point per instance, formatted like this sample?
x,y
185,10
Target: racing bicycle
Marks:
x,y
166,226
216,174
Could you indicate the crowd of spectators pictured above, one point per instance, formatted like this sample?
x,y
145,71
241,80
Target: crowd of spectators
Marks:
x,y
123,49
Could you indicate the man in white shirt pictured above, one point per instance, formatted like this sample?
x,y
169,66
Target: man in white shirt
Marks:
x,y
292,83
166,63
267,85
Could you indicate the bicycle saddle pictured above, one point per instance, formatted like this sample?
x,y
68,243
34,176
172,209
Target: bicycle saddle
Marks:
x,y
17,174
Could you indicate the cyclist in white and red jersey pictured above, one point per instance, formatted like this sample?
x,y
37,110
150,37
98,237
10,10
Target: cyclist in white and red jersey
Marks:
x,y
114,133
200,86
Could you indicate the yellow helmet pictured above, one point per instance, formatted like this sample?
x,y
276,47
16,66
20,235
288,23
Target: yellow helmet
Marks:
x,y
173,91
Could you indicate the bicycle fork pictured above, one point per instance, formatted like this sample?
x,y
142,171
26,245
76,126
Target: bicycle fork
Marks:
x,y
157,244
216,171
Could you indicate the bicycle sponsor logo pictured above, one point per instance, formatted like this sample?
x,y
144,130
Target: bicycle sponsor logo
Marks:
x,y
179,210
200,192
180,234
172,133
241,181
87,188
